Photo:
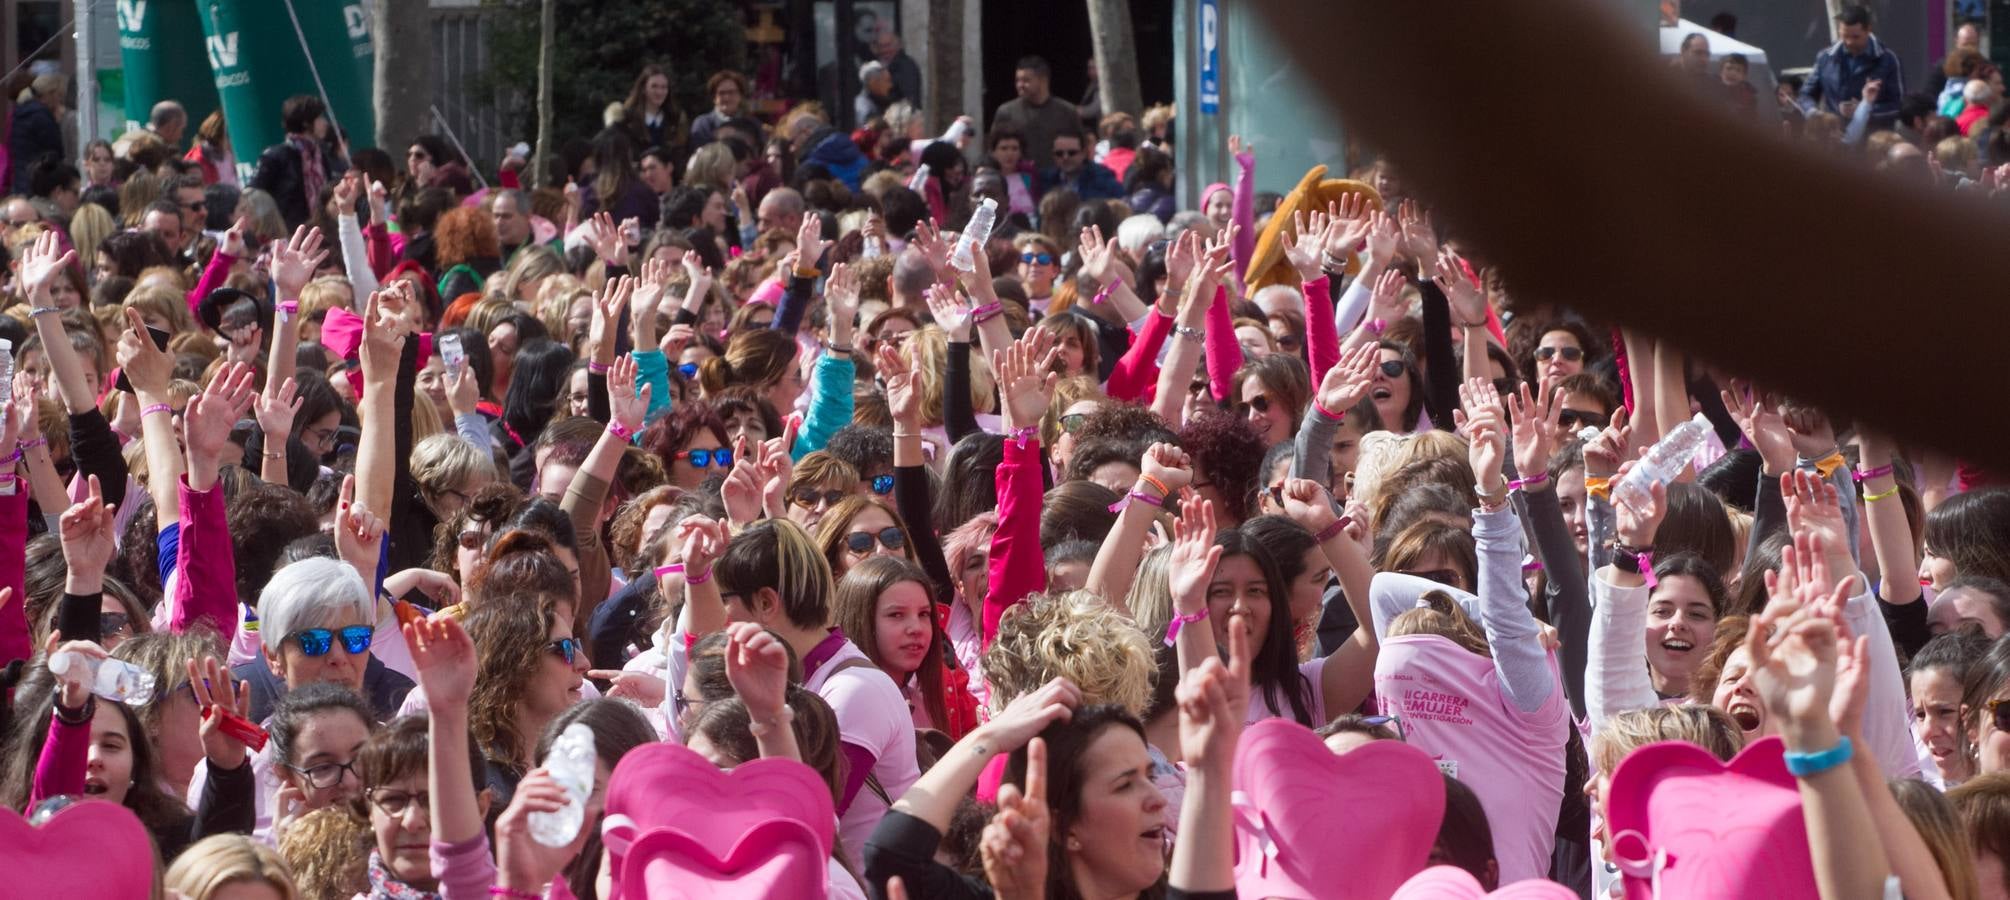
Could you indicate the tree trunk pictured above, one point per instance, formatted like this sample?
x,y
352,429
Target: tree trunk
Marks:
x,y
547,27
942,84
403,93
1116,56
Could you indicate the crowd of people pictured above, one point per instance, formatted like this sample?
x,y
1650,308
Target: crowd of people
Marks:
x,y
711,509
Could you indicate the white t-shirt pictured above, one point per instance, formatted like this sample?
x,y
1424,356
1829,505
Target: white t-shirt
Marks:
x,y
872,714
1260,709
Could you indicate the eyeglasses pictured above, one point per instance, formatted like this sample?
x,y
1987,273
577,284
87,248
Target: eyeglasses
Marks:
x,y
1570,354
318,641
1395,368
1037,259
565,648
395,803
1260,403
1073,422
703,459
472,539
861,541
812,499
1067,154
690,370
197,206
114,623
329,774
882,484
1573,419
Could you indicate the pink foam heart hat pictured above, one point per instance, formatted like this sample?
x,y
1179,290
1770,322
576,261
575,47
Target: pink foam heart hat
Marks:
x,y
93,848
1307,820
1686,824
676,821
1454,883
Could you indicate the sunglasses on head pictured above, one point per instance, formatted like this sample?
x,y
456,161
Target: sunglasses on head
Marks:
x,y
1570,354
565,648
318,641
703,459
1037,259
811,498
861,541
1395,368
1574,419
882,484
1072,422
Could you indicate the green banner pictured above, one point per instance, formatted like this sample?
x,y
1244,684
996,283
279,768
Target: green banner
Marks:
x,y
158,41
256,57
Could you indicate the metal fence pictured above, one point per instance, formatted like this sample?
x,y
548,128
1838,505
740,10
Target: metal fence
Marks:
x,y
461,57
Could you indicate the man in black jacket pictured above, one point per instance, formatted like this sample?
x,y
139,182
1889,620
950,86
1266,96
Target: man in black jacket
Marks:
x,y
295,170
38,130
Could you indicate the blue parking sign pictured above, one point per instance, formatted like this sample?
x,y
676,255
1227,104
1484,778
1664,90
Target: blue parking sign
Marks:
x,y
1210,56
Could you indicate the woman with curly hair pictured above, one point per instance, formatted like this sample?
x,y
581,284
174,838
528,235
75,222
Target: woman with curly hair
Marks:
x,y
1227,457
531,670
692,443
468,250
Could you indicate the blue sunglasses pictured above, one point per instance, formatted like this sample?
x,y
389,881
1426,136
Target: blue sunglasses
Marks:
x,y
690,370
882,484
1037,259
703,459
566,648
318,641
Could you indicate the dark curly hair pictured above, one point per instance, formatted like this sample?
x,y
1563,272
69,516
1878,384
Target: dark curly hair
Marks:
x,y
1229,453
1127,421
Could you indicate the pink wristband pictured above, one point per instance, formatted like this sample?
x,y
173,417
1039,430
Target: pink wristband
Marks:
x,y
157,407
1332,531
987,312
32,444
596,367
1331,416
1021,435
1103,295
1862,475
500,891
1173,627
1529,482
614,427
1140,496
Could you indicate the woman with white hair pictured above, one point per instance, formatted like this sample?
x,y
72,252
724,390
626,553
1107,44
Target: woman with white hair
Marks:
x,y
316,625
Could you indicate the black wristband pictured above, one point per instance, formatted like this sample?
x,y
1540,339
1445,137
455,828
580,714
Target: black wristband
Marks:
x,y
81,716
1627,559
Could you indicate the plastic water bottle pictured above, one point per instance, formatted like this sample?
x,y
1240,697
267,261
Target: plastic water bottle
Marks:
x,y
920,179
976,236
571,764
451,353
6,370
112,679
1663,463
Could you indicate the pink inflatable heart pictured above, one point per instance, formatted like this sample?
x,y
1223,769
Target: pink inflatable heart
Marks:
x,y
91,849
1698,827
1453,883
1307,820
778,858
719,818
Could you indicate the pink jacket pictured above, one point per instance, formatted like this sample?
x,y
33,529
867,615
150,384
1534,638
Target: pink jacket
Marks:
x,y
1018,566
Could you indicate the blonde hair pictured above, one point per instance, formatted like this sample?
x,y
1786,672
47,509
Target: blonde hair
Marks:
x,y
1380,456
89,226
167,303
1074,636
445,460
531,263
1934,817
1705,726
328,851
1150,599
1958,154
1156,116
1437,613
821,468
323,294
711,166
202,870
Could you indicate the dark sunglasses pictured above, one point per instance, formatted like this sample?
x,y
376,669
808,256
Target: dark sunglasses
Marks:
x,y
318,641
810,498
882,484
703,459
472,539
1261,404
1037,259
861,541
1570,354
1066,154
114,623
1572,420
1999,713
1395,368
1072,422
565,648
1289,341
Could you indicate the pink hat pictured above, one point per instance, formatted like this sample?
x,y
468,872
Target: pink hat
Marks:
x,y
94,848
678,826
1208,191
1454,883
1303,823
342,334
1685,824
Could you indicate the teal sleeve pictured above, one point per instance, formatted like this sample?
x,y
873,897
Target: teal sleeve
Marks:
x,y
652,369
830,405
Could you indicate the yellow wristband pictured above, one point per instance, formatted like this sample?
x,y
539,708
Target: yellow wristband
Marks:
x,y
1828,465
1598,487
1885,494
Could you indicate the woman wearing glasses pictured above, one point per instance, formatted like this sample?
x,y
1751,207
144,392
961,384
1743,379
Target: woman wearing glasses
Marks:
x,y
817,485
1039,268
1565,349
859,528
692,443
315,734
532,669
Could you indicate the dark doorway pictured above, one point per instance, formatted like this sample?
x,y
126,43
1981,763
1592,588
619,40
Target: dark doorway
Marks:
x,y
1058,30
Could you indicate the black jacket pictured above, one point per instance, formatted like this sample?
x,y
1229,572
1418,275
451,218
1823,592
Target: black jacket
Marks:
x,y
383,688
36,135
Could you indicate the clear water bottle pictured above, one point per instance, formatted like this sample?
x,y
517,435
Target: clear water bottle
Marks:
x,y
571,764
1664,463
451,352
6,370
112,679
920,179
975,236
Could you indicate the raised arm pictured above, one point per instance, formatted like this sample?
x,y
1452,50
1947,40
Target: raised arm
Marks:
x,y
355,255
802,277
444,658
1537,415
148,368
1890,535
381,352
1190,342
1242,210
1911,860
1026,377
16,641
43,261
90,537
910,469
1342,387
207,588
1307,253
1512,634
1469,313
831,400
587,493
1224,355
275,409
1213,701
602,336
1618,680
1163,471
1348,678
953,314
294,263
1100,263
757,665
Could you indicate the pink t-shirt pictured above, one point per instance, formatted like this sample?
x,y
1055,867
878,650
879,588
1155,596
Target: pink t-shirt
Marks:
x,y
1450,704
871,713
1259,709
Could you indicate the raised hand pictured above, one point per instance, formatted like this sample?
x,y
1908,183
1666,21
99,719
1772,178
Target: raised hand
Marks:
x,y
757,665
346,190
1026,377
1099,259
607,311
216,693
444,656
295,261
741,491
233,244
90,536
1169,464
1482,419
1793,649
463,393
1385,237
1014,843
243,346
700,278
1352,219
1029,714
700,541
929,243
952,311
647,298
1813,509
1536,421
1604,453
1307,248
1762,421
1350,380
1469,304
1182,257
357,530
841,295
1213,699
42,262
384,330
605,238
1810,432
810,241
1308,503
209,417
1636,526
627,404
1386,301
1420,240
903,390
1194,556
